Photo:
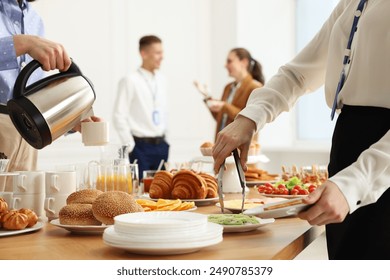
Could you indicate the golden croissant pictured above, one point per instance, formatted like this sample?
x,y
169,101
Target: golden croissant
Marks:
x,y
188,185
161,186
211,185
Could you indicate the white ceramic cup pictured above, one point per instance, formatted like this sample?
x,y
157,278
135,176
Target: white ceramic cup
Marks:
x,y
34,202
29,182
94,133
230,180
60,182
53,205
7,197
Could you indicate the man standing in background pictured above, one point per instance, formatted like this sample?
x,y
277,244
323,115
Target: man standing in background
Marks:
x,y
140,108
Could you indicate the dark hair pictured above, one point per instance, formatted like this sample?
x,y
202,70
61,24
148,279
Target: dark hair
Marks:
x,y
254,67
146,41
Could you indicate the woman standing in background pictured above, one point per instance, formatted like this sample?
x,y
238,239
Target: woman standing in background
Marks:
x,y
248,75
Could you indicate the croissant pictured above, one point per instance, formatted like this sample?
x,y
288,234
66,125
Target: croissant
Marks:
x,y
161,186
211,185
3,205
188,185
13,220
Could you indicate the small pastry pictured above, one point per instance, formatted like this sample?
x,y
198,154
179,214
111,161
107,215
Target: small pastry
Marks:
x,y
3,205
13,220
31,215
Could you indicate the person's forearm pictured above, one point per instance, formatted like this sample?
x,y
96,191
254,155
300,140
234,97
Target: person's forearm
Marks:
x,y
50,54
22,43
365,180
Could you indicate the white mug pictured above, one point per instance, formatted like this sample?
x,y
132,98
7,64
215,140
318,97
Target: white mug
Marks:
x,y
7,197
60,182
29,182
230,180
34,202
53,205
94,133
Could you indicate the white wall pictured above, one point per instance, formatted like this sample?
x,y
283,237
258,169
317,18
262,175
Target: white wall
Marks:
x,y
102,37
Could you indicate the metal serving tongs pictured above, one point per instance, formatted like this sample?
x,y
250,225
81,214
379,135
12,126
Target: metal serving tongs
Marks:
x,y
220,190
241,176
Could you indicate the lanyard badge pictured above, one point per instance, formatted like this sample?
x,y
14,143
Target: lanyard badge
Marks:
x,y
347,55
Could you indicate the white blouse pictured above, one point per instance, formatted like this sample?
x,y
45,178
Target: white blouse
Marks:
x,y
367,84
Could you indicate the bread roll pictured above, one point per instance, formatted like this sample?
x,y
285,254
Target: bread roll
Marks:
x,y
207,149
188,185
31,216
13,220
113,203
207,145
161,186
86,196
77,214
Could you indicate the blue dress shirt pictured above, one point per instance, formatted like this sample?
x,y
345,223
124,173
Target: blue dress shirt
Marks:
x,y
15,20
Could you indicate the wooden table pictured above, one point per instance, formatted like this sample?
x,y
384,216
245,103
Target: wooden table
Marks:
x,y
284,239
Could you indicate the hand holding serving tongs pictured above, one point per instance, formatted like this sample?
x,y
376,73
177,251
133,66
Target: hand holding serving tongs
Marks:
x,y
241,176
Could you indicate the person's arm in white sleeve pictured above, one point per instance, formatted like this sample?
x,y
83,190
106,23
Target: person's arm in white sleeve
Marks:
x,y
368,178
305,73
121,114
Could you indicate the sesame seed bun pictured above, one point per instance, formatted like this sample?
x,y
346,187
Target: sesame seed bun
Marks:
x,y
113,203
77,214
86,196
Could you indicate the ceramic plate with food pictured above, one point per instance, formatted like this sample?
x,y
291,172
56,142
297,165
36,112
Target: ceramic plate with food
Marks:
x,y
256,183
81,229
198,202
238,222
290,207
150,205
35,227
235,204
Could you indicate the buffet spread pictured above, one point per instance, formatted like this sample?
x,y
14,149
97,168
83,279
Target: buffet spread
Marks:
x,y
180,213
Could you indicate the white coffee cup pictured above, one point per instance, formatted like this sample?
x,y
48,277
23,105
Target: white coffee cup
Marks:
x,y
94,133
53,205
34,202
29,182
7,196
230,180
60,182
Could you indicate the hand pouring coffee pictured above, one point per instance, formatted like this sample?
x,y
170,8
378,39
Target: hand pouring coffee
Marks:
x,y
49,108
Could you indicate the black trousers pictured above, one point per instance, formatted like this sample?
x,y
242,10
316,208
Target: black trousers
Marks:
x,y
364,234
149,155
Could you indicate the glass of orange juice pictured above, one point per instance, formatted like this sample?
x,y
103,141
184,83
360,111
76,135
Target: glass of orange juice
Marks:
x,y
113,177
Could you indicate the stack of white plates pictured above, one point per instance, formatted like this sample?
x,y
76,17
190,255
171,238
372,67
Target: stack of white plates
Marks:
x,y
162,233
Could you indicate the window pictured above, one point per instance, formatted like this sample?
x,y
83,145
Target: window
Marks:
x,y
313,115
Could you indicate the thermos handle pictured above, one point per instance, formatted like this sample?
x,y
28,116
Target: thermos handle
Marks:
x,y
20,88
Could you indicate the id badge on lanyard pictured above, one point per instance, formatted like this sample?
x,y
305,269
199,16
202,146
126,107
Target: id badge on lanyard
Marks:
x,y
156,117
